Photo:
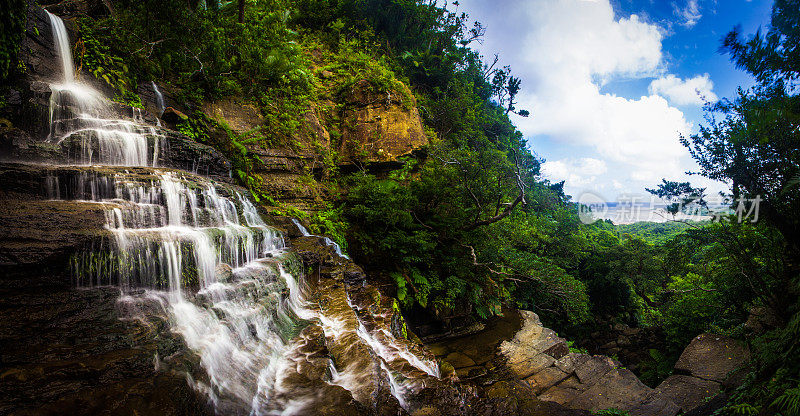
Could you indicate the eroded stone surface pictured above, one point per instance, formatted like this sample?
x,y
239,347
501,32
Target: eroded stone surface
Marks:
x,y
575,380
712,357
688,392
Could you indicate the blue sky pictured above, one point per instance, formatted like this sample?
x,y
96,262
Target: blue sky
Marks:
x,y
611,84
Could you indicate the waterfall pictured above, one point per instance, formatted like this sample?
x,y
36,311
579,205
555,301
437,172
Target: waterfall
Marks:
x,y
62,47
328,241
84,122
198,254
194,253
159,98
203,256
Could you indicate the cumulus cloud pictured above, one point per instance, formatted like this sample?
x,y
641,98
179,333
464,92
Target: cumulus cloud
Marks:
x,y
578,172
691,91
689,14
565,51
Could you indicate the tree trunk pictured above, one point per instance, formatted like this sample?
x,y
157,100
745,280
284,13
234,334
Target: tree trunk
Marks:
x,y
241,11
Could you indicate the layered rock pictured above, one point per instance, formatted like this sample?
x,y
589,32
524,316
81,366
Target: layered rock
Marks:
x,y
537,355
709,363
66,350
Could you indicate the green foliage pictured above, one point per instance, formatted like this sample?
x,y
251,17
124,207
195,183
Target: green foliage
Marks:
x,y
788,403
578,350
742,409
654,232
96,56
656,368
329,222
682,196
204,52
444,263
751,142
612,412
12,29
349,65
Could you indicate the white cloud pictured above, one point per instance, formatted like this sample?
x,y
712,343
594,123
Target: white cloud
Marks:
x,y
691,91
565,51
579,172
690,14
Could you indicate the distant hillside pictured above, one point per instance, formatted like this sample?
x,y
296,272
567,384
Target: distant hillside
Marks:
x,y
655,232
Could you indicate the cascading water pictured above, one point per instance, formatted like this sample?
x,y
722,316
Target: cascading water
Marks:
x,y
328,241
159,98
83,119
196,253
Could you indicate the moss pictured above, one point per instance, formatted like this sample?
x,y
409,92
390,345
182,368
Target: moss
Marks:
x,y
292,264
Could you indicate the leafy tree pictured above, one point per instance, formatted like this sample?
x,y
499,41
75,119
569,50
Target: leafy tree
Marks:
x,y
681,195
752,143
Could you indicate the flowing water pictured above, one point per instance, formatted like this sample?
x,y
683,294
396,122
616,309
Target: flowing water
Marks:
x,y
83,119
197,253
159,98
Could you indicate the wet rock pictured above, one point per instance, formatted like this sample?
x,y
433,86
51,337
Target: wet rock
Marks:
x,y
223,273
47,232
173,116
459,360
712,357
66,352
466,373
180,152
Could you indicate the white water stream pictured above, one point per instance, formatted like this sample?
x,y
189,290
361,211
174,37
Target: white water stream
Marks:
x,y
199,254
83,119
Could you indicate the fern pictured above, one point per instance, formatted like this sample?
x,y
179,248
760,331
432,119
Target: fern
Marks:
x,y
742,409
788,402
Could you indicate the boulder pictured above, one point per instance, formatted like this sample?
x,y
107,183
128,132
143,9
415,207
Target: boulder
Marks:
x,y
712,357
688,392
621,389
523,365
591,369
223,272
381,127
173,116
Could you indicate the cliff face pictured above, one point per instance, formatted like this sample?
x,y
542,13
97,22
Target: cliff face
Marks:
x,y
347,124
